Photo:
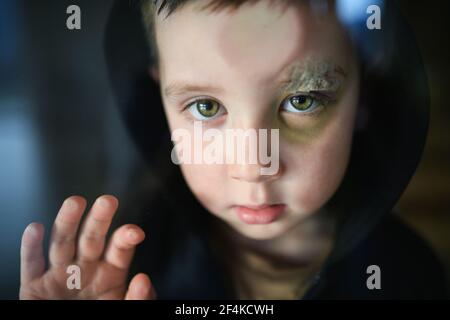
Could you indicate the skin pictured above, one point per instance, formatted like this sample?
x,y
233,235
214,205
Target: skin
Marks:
x,y
103,270
229,50
230,60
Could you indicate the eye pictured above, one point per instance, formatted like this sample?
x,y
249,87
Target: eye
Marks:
x,y
205,109
302,103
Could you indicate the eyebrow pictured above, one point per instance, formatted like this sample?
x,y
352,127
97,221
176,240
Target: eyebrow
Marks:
x,y
316,75
180,88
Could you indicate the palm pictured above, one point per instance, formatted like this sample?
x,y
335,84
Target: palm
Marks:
x,y
103,273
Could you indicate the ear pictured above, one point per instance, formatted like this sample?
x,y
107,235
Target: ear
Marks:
x,y
154,73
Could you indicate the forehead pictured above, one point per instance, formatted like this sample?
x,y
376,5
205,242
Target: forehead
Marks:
x,y
259,42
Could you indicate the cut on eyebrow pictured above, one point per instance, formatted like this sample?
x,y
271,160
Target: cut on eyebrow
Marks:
x,y
314,75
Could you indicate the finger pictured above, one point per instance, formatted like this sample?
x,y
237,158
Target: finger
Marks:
x,y
140,288
32,261
64,231
122,244
92,237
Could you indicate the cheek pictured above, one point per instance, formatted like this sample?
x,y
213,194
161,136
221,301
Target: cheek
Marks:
x,y
319,173
206,183
316,164
315,170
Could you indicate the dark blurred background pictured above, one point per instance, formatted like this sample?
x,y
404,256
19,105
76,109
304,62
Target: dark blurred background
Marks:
x,y
61,134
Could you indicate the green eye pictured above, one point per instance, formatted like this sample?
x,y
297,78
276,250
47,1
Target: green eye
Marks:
x,y
205,109
301,103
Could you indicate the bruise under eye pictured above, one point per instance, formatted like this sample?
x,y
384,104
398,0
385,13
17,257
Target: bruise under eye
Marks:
x,y
305,125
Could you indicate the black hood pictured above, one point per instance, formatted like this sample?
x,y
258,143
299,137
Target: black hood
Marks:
x,y
392,121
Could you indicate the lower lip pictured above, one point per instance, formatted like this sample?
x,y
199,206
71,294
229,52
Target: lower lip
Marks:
x,y
264,215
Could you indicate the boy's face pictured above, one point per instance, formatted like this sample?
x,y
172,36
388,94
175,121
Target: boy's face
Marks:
x,y
242,59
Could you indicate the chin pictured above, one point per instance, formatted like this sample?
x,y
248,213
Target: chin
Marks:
x,y
262,231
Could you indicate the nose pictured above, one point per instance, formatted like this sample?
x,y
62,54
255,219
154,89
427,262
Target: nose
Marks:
x,y
250,172
258,149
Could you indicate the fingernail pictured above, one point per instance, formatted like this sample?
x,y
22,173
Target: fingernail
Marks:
x,y
31,230
132,234
70,204
142,289
103,202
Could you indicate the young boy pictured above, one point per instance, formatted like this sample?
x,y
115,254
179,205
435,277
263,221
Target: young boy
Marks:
x,y
317,227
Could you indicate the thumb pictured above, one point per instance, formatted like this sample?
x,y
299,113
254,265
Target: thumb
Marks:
x,y
140,288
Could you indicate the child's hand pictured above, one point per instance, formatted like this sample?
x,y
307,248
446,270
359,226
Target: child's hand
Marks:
x,y
103,273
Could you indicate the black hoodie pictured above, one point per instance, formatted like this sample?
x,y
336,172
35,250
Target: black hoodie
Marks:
x,y
385,153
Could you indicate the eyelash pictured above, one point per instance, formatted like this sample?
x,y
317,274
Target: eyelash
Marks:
x,y
191,118
322,99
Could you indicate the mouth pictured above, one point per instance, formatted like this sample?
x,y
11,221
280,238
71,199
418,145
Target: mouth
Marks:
x,y
259,214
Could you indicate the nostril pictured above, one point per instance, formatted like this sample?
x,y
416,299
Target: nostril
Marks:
x,y
246,172
253,172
